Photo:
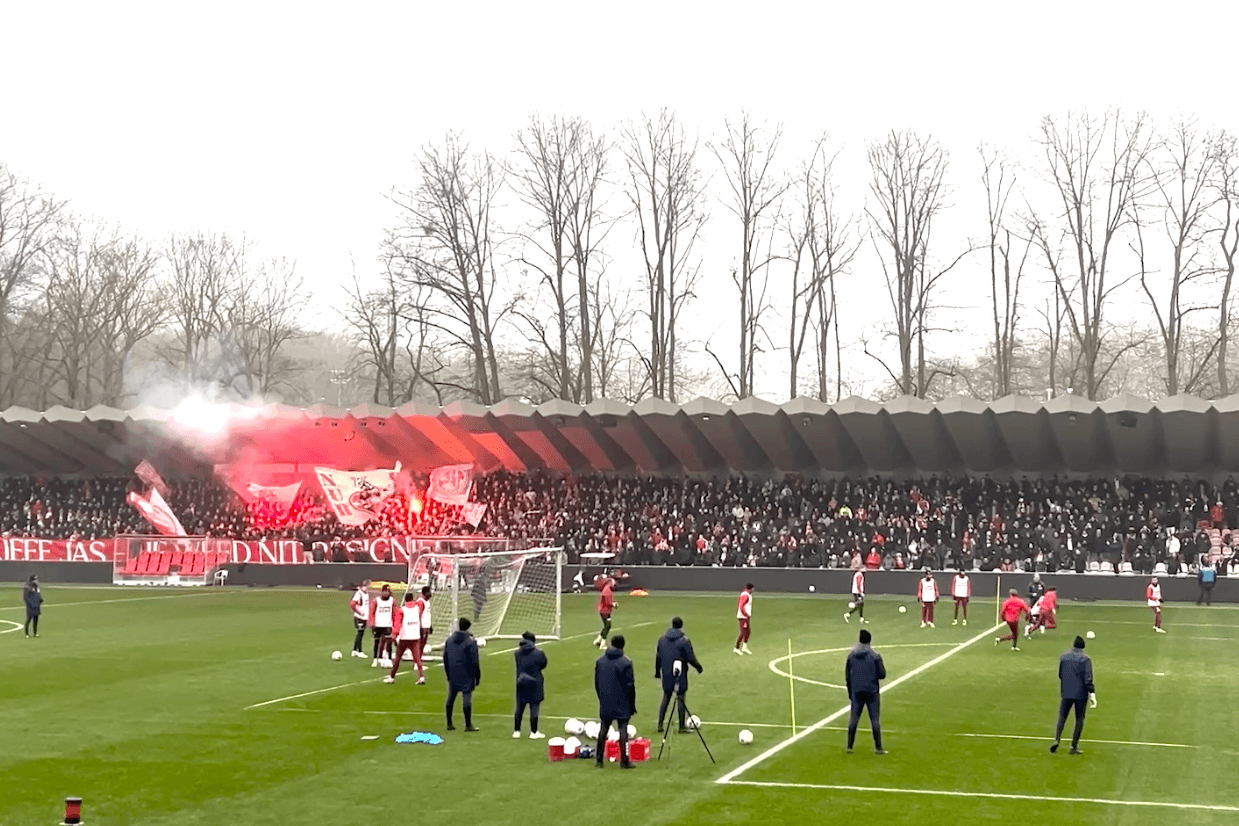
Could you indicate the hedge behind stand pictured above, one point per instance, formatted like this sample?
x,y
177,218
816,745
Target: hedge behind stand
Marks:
x,y
827,583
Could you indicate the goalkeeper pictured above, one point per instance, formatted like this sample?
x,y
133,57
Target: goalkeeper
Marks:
x,y
1075,673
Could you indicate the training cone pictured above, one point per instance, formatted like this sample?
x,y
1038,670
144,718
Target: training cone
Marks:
x,y
73,811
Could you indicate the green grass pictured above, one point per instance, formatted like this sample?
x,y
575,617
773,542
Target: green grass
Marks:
x,y
135,700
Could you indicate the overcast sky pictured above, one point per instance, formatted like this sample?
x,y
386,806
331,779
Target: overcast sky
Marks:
x,y
287,121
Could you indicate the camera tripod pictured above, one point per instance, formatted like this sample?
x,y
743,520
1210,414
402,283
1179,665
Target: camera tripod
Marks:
x,y
674,709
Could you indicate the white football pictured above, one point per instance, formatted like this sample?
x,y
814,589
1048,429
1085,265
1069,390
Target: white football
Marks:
x,y
612,734
851,606
574,727
591,729
481,642
694,722
746,737
812,589
903,609
1090,635
336,655
632,731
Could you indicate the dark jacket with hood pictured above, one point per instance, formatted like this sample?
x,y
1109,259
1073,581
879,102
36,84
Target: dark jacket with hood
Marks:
x,y
615,685
460,661
33,598
673,646
863,671
530,662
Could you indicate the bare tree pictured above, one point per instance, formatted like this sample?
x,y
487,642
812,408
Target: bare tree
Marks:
x,y
1226,168
822,244
908,190
1096,168
998,176
1181,172
756,189
204,272
665,188
262,317
447,243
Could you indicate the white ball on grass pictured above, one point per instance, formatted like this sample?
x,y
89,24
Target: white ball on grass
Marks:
x,y
903,609
571,724
336,655
612,734
812,589
1090,635
851,605
481,642
694,721
591,729
746,737
632,731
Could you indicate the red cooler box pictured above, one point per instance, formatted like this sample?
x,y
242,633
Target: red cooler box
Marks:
x,y
555,749
612,750
639,749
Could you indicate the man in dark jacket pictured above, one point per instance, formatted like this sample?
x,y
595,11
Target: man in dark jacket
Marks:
x,y
671,662
1075,676
617,698
862,672
464,673
530,663
33,598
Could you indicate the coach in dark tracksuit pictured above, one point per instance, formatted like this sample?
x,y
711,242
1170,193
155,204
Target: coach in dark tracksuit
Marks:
x,y
1075,674
671,662
33,598
862,672
530,663
617,698
464,672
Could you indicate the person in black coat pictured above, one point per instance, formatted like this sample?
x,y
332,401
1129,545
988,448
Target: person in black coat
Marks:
x,y
464,673
530,663
617,698
33,598
1075,676
671,662
862,674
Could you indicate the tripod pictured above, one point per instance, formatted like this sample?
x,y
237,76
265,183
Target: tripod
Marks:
x,y
673,710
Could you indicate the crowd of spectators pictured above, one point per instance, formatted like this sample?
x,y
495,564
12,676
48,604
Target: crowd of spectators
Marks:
x,y
1130,524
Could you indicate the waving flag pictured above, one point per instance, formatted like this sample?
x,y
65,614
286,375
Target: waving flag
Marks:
x,y
356,496
147,473
280,499
472,513
451,484
156,511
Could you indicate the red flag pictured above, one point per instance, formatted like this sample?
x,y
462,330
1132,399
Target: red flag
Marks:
x,y
147,473
280,500
472,513
156,511
451,484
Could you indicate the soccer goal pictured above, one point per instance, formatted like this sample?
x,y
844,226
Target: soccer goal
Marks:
x,y
168,560
503,594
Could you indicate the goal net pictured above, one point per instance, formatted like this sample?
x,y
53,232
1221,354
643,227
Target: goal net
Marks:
x,y
168,560
503,594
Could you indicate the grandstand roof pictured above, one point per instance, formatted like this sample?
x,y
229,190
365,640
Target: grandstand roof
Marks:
x,y
1069,434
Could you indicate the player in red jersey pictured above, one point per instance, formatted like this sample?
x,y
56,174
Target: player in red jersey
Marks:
x,y
1153,594
1012,609
744,613
606,605
927,595
408,628
961,591
1043,613
858,597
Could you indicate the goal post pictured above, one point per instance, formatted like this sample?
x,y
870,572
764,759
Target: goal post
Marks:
x,y
503,594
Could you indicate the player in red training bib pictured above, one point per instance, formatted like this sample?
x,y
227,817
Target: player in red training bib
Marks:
x,y
1012,609
382,618
927,595
744,613
1043,613
961,591
606,605
408,631
858,597
360,605
1154,595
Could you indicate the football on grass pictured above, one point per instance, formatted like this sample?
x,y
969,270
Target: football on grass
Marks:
x,y
336,655
481,642
851,606
694,722
903,609
1091,635
746,737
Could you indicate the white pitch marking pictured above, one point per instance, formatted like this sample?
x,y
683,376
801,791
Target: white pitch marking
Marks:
x,y
566,639
310,693
1091,740
836,651
127,599
1174,625
17,626
509,717
825,721
1101,801
1210,639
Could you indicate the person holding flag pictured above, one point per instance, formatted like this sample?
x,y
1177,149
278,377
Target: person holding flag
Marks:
x,y
961,591
1012,609
927,595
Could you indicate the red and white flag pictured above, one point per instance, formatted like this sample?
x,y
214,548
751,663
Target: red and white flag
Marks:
x,y
356,496
451,484
147,473
472,513
156,511
279,499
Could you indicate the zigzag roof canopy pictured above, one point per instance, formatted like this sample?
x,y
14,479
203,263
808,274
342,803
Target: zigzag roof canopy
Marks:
x,y
1125,434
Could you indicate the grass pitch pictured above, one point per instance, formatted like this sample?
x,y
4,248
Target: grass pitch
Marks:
x,y
223,706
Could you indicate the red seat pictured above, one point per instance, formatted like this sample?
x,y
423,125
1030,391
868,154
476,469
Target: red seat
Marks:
x,y
177,557
132,564
161,567
195,562
145,560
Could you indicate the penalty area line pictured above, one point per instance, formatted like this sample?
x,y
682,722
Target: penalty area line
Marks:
x,y
1099,801
566,639
825,721
310,693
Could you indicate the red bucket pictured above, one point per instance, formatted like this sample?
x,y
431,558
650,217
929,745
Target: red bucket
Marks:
x,y
639,750
612,750
555,749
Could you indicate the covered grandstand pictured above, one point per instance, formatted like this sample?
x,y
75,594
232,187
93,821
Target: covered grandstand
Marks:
x,y
1013,435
